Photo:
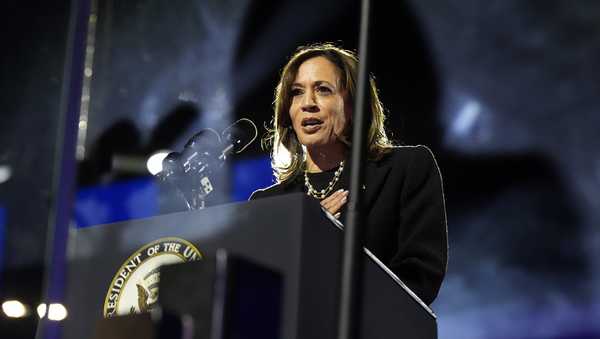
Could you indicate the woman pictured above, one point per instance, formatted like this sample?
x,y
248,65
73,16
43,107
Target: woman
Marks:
x,y
406,221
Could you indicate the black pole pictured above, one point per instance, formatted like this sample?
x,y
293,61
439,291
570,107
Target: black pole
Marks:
x,y
63,181
351,281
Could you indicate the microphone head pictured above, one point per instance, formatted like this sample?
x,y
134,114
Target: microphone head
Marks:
x,y
240,134
207,138
171,163
200,150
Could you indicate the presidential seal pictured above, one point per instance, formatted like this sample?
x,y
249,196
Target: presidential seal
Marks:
x,y
134,289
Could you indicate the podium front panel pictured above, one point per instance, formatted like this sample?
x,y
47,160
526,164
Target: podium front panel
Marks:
x,y
267,231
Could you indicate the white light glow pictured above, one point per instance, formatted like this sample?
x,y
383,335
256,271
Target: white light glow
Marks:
x,y
14,309
5,173
41,310
154,163
57,312
282,157
466,118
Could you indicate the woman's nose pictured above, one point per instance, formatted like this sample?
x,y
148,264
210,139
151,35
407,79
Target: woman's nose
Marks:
x,y
309,103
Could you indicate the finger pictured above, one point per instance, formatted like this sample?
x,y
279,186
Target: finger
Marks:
x,y
340,202
335,205
332,198
337,215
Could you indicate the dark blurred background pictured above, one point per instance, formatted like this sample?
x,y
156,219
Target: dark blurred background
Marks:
x,y
504,92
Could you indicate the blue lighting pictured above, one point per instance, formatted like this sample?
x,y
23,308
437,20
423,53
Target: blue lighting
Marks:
x,y
125,200
138,198
249,175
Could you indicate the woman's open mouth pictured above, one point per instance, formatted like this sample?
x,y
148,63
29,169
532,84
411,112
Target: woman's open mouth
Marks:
x,y
311,125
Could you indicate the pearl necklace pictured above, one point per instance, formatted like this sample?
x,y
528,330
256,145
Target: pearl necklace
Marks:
x,y
311,191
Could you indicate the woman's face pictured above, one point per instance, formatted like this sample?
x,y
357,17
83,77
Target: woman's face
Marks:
x,y
319,111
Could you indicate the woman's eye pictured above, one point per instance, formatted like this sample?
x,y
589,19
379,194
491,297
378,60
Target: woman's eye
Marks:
x,y
323,89
296,91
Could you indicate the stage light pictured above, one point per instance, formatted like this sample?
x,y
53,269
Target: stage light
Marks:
x,y
154,163
5,173
14,309
57,312
41,310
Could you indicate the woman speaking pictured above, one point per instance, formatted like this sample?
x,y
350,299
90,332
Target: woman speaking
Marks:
x,y
404,203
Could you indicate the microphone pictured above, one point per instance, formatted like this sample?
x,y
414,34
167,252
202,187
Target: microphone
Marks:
x,y
171,176
190,171
237,137
171,168
198,160
200,151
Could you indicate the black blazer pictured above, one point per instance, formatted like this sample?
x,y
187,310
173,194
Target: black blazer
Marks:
x,y
406,217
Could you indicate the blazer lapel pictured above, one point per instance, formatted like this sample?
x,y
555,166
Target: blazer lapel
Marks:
x,y
375,176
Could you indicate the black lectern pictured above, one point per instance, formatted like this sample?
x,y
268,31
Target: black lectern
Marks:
x,y
109,267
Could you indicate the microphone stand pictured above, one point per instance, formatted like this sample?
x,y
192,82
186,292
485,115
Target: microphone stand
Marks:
x,y
349,315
